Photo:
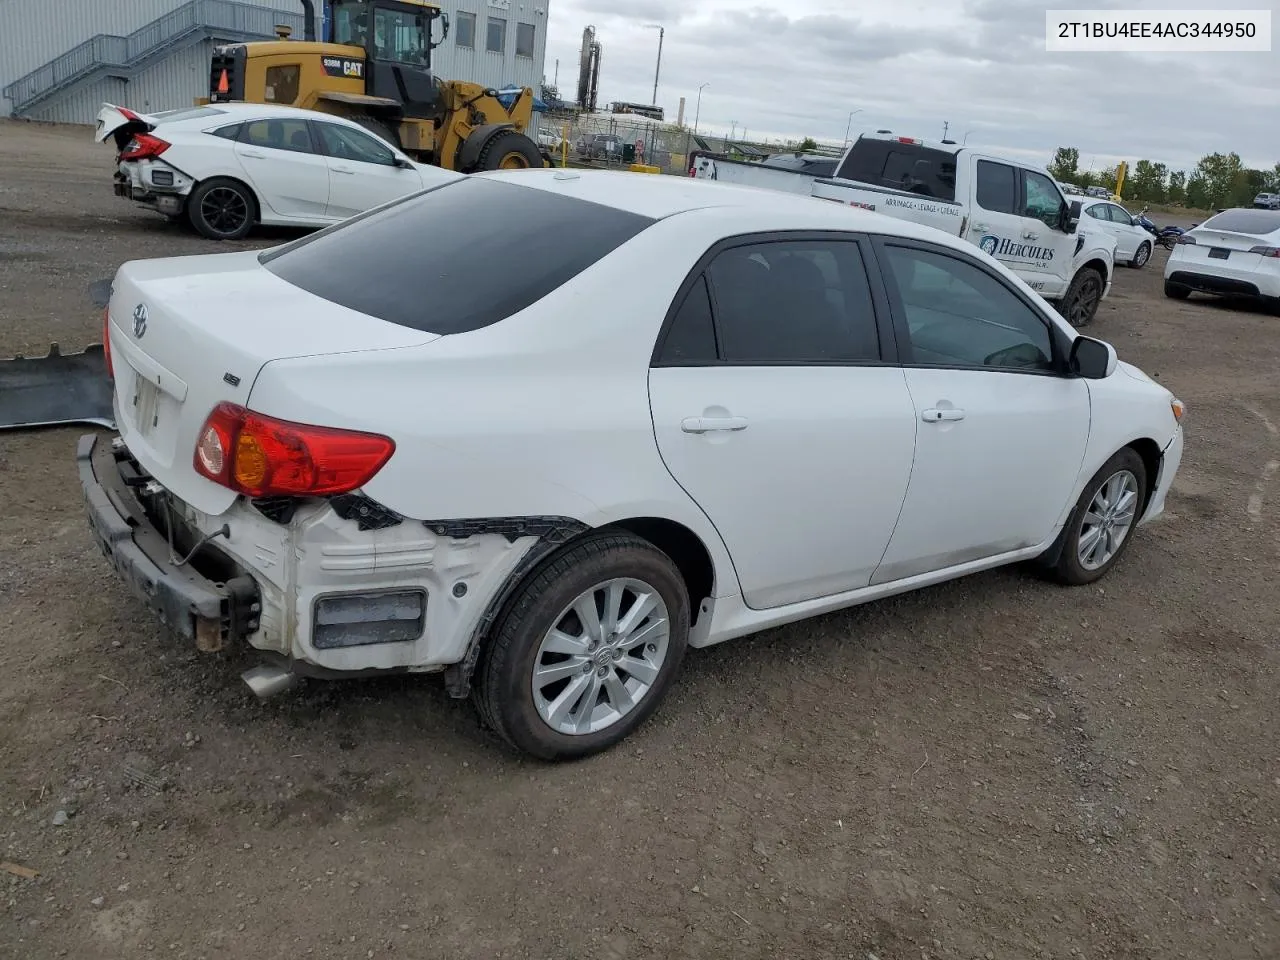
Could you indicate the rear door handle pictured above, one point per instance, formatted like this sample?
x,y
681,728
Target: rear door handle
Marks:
x,y
934,415
346,170
250,153
712,424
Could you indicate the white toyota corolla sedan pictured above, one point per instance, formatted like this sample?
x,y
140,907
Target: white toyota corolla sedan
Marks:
x,y
428,439
1233,253
228,167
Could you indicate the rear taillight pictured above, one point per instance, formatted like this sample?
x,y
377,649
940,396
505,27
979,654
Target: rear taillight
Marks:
x,y
260,456
1189,241
144,147
106,342
1266,251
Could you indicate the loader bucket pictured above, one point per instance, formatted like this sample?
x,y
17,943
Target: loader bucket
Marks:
x,y
56,389
59,388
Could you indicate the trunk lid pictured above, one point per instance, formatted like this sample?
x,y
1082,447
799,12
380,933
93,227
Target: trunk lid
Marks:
x,y
122,124
189,332
1224,247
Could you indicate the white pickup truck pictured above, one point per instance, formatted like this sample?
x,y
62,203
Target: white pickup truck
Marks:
x,y
1013,211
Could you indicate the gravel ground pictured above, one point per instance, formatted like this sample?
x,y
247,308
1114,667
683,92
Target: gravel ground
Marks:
x,y
994,768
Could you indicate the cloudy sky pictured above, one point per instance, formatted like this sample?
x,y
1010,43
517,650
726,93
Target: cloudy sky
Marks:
x,y
797,68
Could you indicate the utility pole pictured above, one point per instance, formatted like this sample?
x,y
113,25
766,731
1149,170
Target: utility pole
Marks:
x,y
698,110
945,127
849,125
658,69
733,129
556,81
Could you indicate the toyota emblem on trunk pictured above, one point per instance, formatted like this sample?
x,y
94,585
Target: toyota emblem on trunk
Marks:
x,y
139,320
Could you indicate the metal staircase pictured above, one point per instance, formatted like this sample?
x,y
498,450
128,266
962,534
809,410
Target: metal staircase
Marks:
x,y
106,55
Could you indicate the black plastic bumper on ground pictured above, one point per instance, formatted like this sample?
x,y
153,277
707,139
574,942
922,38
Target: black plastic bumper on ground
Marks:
x,y
1207,283
180,596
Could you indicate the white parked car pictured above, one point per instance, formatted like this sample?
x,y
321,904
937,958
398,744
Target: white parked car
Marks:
x,y
228,166
1133,241
370,450
1233,253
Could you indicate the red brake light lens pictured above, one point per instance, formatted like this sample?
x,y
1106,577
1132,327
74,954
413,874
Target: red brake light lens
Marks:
x,y
106,342
144,147
1184,239
260,456
1266,251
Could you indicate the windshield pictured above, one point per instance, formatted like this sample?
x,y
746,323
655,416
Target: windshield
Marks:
x,y
401,36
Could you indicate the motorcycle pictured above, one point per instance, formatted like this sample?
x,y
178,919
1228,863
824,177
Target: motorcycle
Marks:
x,y
1146,223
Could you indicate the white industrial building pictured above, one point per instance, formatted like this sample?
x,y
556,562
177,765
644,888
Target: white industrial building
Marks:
x,y
60,59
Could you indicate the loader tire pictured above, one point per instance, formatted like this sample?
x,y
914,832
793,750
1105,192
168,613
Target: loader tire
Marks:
x,y
509,150
379,128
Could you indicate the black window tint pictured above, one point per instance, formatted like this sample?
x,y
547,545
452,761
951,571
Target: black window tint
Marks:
x,y
794,301
229,133
287,134
997,187
457,257
1254,222
902,166
343,143
960,315
691,338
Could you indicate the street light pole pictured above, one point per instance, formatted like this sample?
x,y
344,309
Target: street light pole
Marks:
x,y
657,69
849,125
698,110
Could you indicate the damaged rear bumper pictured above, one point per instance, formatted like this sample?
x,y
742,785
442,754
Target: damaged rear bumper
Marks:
x,y
207,612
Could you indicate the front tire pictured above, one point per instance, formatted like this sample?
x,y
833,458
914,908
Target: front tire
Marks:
x,y
586,649
1141,256
1101,526
1080,304
222,209
509,150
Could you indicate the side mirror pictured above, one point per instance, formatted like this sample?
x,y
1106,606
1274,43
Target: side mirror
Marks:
x,y
402,163
1071,216
1092,359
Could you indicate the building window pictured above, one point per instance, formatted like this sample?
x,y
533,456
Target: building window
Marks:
x,y
466,30
281,84
524,39
496,40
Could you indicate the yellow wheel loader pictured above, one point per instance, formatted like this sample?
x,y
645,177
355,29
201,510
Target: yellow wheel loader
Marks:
x,y
377,72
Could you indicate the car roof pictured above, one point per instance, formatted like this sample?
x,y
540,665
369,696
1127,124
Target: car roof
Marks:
x,y
236,111
760,209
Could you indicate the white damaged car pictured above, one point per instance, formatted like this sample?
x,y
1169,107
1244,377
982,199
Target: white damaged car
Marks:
x,y
373,450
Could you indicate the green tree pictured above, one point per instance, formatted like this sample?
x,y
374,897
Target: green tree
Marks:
x,y
1177,192
1197,190
1219,172
1065,165
1146,182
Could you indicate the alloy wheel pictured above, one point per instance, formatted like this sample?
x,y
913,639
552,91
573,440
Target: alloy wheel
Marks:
x,y
224,209
1108,520
601,657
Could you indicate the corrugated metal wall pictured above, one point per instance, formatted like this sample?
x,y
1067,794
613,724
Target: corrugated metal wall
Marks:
x,y
455,62
33,32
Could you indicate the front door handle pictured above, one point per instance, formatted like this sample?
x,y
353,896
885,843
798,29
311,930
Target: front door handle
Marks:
x,y
346,170
1028,235
712,424
935,415
980,226
249,153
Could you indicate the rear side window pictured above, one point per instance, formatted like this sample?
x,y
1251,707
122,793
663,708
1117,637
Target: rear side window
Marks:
x,y
692,336
902,166
455,258
229,133
1258,223
997,187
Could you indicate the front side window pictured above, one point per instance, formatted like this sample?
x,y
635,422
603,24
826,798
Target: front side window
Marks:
x,y
1119,215
496,37
282,84
343,143
1043,202
961,316
464,30
794,302
400,36
524,39
289,134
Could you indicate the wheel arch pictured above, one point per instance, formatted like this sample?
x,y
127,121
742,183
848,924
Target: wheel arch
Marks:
x,y
1152,458
686,549
239,181
1095,263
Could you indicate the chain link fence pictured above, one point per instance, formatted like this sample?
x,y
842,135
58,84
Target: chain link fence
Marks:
x,y
616,141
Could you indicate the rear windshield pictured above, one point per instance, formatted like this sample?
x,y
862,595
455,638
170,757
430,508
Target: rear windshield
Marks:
x,y
902,166
1255,222
187,113
457,257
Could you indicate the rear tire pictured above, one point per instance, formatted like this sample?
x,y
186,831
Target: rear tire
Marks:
x,y
552,685
1141,256
509,150
1102,525
1176,291
222,209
